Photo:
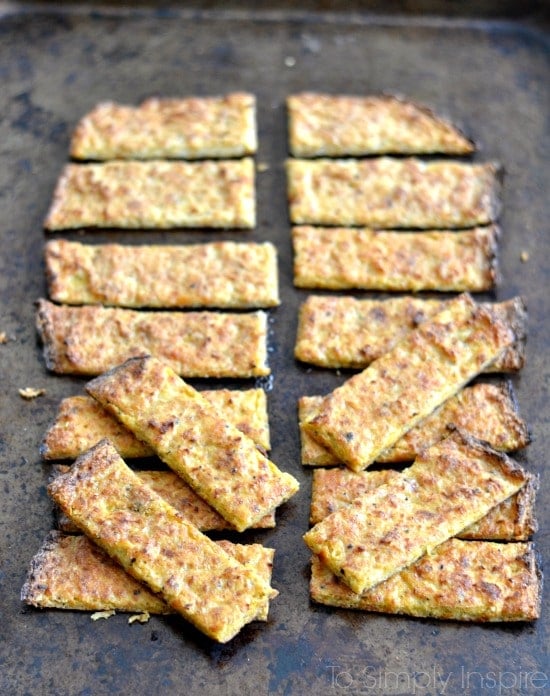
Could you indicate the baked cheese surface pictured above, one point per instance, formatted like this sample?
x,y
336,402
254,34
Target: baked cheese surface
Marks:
x,y
325,125
92,339
153,542
372,410
81,422
71,572
369,328
486,411
388,193
459,580
511,520
450,486
312,453
216,459
182,497
334,489
227,274
154,194
341,258
188,128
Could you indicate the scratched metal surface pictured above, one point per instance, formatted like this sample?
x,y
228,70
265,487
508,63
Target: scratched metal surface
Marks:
x,y
491,77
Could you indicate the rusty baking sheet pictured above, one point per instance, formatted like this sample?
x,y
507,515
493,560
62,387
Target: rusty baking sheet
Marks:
x,y
490,76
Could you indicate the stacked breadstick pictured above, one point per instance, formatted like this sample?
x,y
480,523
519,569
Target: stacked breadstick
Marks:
x,y
426,540
152,523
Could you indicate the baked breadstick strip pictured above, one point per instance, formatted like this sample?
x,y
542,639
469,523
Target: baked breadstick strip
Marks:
x,y
156,194
216,459
81,422
369,328
154,543
90,340
460,580
486,411
341,258
71,572
190,128
179,495
392,193
511,520
228,275
325,125
372,410
450,486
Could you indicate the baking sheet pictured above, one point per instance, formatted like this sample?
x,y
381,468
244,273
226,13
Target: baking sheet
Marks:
x,y
490,77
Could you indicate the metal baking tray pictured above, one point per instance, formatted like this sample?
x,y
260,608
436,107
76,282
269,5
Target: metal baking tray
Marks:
x,y
490,75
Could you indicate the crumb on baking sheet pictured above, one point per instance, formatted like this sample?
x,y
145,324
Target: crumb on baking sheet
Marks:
x,y
262,167
140,618
31,392
3,337
524,256
102,615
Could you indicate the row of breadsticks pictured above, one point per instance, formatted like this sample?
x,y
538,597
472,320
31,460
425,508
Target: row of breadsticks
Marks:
x,y
425,540
144,549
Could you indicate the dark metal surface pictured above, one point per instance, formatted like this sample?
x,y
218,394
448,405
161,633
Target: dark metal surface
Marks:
x,y
491,77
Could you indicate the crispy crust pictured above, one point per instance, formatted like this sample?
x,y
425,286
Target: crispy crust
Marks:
x,y
155,194
323,125
191,128
90,340
513,312
450,486
486,411
216,459
511,520
400,389
153,542
460,580
71,572
369,328
228,275
182,497
81,422
392,193
340,258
